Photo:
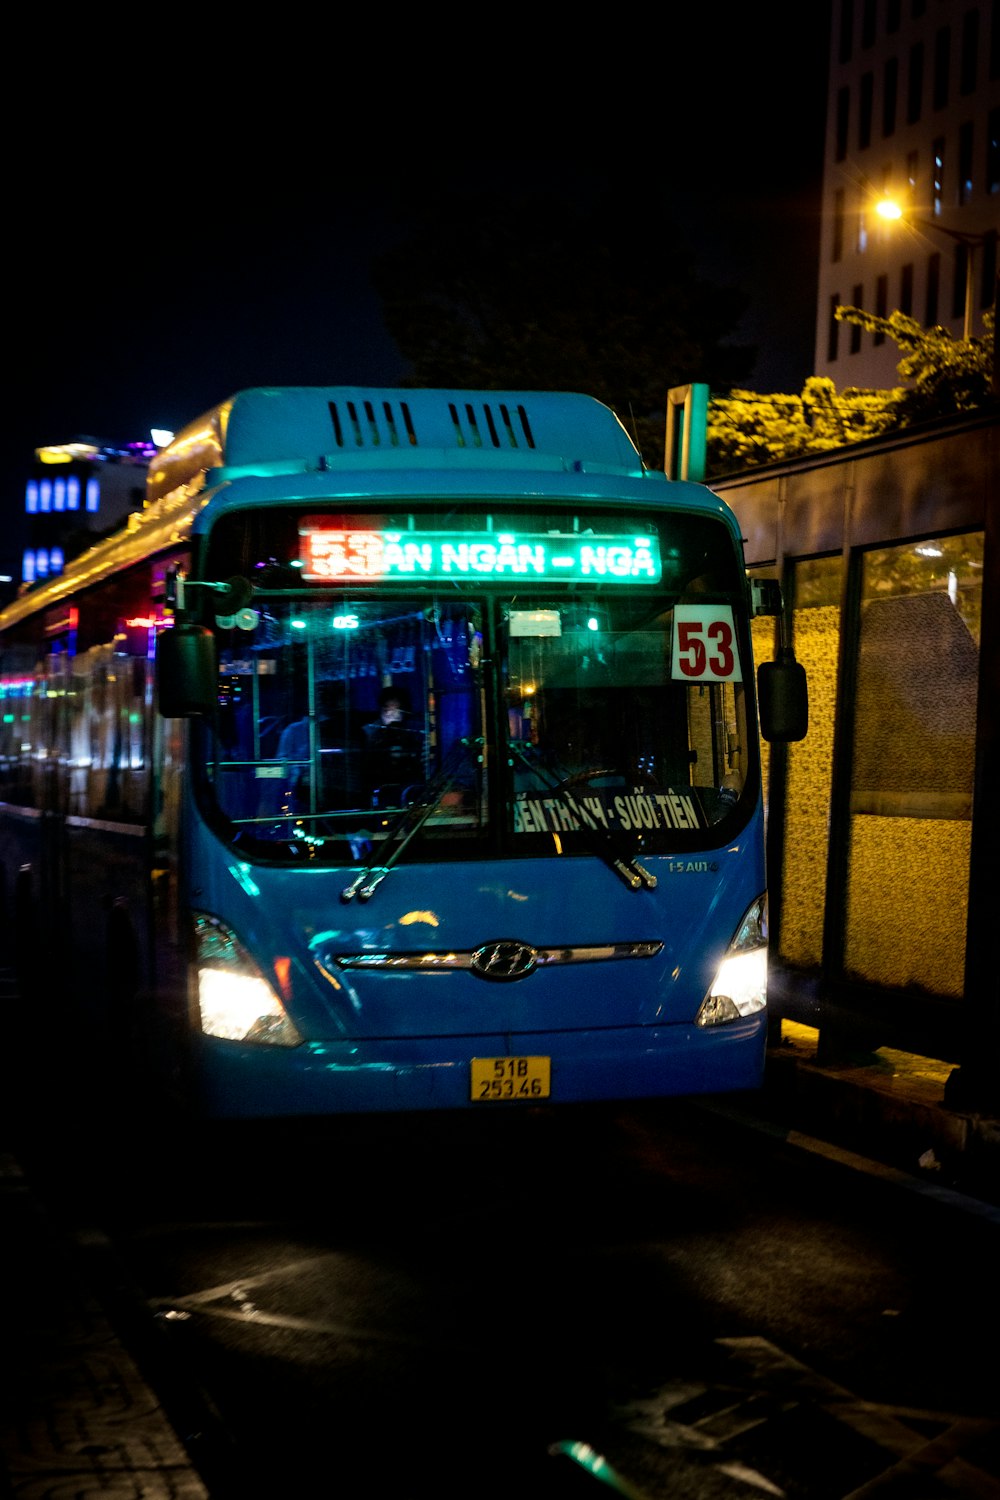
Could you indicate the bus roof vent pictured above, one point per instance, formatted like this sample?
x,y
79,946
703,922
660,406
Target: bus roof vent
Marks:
x,y
389,423
372,424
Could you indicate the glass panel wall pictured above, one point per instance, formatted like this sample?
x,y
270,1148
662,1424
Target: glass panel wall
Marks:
x,y
912,764
815,591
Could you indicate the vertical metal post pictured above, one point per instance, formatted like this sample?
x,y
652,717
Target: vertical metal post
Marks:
x,y
687,404
777,787
839,843
970,281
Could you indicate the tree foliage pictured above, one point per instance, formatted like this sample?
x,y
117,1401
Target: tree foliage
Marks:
x,y
745,428
940,375
945,374
539,292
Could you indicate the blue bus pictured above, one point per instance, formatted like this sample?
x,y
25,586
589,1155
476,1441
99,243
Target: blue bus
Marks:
x,y
401,754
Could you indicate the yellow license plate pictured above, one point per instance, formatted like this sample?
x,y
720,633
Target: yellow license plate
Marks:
x,y
499,1078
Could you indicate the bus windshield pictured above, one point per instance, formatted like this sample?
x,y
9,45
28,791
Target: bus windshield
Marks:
x,y
513,716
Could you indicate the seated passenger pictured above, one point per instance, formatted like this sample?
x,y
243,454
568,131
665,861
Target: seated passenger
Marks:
x,y
392,752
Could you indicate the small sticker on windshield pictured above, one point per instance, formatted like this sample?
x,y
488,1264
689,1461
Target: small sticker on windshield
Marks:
x,y
535,622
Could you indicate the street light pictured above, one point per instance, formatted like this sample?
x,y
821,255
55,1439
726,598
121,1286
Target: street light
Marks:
x,y
888,208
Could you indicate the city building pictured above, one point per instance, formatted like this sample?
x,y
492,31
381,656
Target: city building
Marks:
x,y
75,493
913,118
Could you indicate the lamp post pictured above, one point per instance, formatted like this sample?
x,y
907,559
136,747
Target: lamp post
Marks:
x,y
888,208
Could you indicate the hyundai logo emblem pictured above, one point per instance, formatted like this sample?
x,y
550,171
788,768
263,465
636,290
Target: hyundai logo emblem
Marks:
x,y
504,960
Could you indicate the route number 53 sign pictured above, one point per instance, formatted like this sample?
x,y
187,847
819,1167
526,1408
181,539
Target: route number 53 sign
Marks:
x,y
704,644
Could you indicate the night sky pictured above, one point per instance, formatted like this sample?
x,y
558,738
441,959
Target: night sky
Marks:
x,y
167,258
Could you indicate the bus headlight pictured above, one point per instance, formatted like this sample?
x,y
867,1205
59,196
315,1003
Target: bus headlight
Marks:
x,y
235,1001
740,986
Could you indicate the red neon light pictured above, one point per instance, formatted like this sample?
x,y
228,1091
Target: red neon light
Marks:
x,y
340,554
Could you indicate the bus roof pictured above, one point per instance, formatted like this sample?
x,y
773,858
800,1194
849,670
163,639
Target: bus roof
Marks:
x,y
297,429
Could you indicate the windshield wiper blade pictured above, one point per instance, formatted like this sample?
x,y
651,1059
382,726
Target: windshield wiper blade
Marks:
x,y
599,839
409,824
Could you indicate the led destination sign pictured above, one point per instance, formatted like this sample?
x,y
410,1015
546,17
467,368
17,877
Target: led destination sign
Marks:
x,y
336,555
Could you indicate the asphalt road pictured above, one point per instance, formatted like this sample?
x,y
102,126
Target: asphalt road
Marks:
x,y
436,1305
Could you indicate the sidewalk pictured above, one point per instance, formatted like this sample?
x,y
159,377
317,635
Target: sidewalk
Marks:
x,y
886,1106
78,1419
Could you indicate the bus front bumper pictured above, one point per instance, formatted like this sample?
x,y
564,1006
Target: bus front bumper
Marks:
x,y
243,1081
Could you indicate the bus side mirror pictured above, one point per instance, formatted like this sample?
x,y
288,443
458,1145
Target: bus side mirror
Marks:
x,y
783,698
187,672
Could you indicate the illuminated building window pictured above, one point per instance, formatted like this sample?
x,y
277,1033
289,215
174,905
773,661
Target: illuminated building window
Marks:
x,y
45,495
937,174
59,494
72,493
31,497
93,496
56,560
28,567
965,162
42,562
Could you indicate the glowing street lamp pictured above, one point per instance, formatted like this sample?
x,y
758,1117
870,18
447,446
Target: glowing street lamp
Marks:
x,y
890,209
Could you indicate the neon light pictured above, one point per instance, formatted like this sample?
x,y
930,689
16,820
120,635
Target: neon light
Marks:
x,y
328,554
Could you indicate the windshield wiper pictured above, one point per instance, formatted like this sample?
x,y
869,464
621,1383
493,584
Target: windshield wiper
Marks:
x,y
409,824
600,840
